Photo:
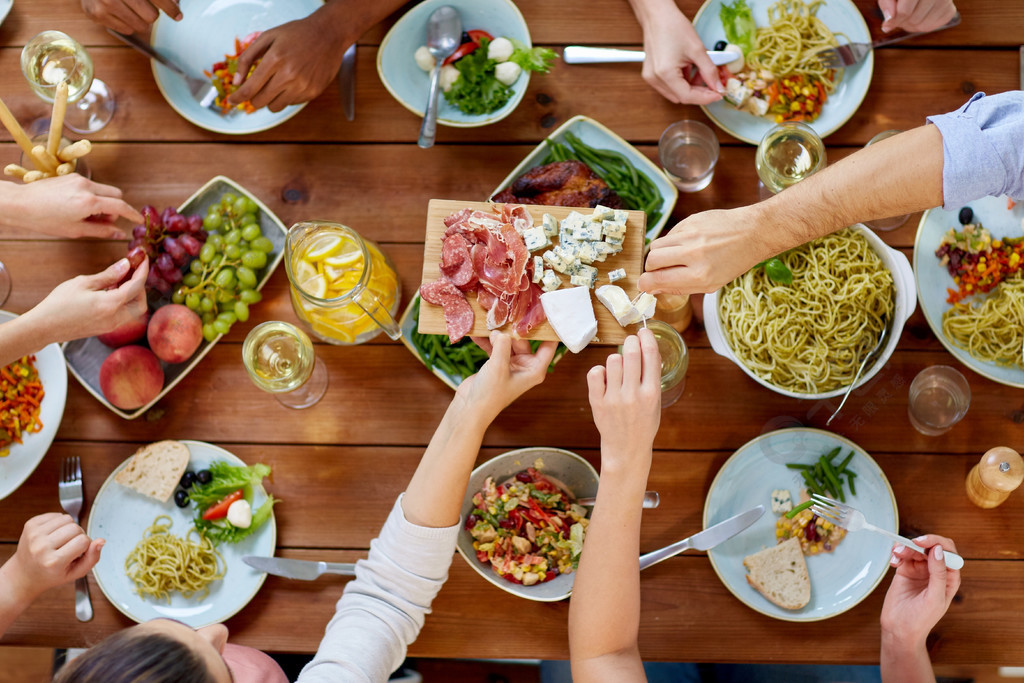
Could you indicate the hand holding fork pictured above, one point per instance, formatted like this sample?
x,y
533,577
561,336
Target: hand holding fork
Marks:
x,y
71,499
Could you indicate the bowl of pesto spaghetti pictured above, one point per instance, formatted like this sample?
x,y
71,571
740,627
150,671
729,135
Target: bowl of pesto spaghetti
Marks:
x,y
806,339
788,33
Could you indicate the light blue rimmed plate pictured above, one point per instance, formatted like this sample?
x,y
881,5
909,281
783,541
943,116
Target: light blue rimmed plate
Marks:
x,y
409,84
598,136
841,16
840,579
5,8
24,457
205,34
933,279
121,515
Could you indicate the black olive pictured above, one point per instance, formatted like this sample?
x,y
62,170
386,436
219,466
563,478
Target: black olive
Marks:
x,y
181,498
720,45
187,479
465,39
966,215
203,476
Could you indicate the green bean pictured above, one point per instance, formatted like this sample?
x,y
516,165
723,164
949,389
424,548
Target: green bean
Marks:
x,y
796,466
799,508
812,485
832,453
849,480
833,480
844,463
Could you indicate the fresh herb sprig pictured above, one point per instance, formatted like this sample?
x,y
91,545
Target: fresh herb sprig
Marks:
x,y
776,270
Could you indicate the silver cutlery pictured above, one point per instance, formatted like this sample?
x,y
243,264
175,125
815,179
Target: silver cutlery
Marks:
x,y
444,28
852,519
863,364
305,570
851,53
202,90
347,82
69,488
1022,67
706,539
582,54
651,500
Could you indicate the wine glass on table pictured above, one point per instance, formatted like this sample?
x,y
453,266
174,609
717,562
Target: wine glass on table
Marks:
x,y
52,57
281,360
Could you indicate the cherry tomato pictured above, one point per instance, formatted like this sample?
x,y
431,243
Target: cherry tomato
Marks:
x,y
219,510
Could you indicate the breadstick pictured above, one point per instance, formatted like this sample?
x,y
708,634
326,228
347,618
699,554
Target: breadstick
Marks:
x,y
15,170
15,129
60,106
33,176
41,158
66,168
75,150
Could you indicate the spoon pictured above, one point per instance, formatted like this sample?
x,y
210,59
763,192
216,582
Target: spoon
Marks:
x,y
444,28
651,500
863,363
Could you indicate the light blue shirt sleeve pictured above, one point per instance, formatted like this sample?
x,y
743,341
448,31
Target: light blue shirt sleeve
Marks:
x,y
982,149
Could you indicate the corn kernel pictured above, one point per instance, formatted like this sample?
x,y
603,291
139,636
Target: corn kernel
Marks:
x,y
504,497
795,106
778,118
493,510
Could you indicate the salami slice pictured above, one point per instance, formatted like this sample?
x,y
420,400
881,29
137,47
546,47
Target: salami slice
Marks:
x,y
458,315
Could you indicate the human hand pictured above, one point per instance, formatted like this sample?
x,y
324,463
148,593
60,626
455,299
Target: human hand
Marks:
x,y
915,15
53,550
129,16
297,60
704,252
89,305
920,592
511,371
673,48
625,397
69,206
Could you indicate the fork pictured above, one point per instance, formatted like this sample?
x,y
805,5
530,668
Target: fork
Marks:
x,y
851,53
71,498
852,519
863,364
202,90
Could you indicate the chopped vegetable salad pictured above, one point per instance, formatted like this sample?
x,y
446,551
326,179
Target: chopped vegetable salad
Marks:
x,y
21,394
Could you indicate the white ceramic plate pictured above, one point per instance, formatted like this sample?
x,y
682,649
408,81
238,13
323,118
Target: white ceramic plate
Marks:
x,y
933,278
205,34
579,477
841,16
25,457
121,515
594,134
410,85
840,579
5,8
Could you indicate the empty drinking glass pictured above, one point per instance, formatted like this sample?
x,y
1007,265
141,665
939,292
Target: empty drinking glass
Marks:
x,y
885,224
939,398
688,151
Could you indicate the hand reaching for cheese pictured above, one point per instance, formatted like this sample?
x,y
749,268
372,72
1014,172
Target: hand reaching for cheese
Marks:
x,y
510,372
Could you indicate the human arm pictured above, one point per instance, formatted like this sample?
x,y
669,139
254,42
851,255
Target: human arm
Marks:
x,y
300,58
915,15
917,598
52,550
80,307
672,46
129,16
65,206
604,614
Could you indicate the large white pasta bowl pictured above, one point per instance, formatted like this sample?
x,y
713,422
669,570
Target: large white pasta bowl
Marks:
x,y
906,301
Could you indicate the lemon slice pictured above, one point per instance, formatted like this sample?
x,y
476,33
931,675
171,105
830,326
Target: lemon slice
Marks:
x,y
322,247
335,274
348,255
303,270
315,286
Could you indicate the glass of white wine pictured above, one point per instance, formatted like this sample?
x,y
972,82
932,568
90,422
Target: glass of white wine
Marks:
x,y
281,360
788,153
52,57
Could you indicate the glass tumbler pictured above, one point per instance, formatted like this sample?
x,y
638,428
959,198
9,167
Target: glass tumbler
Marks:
x,y
688,151
885,224
939,398
675,359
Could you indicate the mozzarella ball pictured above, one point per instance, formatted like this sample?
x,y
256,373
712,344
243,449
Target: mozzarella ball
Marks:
x,y
736,65
240,514
424,59
500,49
507,72
449,74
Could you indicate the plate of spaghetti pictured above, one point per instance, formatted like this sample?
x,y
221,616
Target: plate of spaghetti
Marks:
x,y
971,285
782,79
32,394
156,565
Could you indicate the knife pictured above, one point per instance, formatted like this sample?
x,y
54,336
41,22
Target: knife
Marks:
x,y
298,569
706,539
347,82
580,54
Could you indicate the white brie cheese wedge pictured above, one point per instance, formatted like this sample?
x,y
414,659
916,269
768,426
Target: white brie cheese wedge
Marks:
x,y
617,302
571,314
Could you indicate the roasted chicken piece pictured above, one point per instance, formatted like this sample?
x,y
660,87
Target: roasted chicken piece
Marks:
x,y
562,183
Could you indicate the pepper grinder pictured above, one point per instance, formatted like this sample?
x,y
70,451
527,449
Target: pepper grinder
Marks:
x,y
990,482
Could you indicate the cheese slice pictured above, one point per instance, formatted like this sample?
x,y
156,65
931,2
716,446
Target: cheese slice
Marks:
x,y
617,302
571,314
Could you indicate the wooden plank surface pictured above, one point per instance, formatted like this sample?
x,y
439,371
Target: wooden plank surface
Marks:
x,y
609,331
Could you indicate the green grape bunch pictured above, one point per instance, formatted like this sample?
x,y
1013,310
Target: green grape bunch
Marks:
x,y
221,283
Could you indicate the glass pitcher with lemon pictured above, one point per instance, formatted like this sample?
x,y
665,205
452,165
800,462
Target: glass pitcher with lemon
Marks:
x,y
343,287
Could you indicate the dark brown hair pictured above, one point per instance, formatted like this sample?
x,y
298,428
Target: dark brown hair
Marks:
x,y
131,657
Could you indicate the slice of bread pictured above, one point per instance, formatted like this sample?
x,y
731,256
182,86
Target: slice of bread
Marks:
x,y
780,574
156,469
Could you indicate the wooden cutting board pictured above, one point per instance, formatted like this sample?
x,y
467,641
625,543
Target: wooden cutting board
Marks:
x,y
431,320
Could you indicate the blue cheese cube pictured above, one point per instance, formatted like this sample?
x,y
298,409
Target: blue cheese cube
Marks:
x,y
574,220
615,247
621,216
582,279
549,281
550,225
565,237
603,249
555,261
538,268
588,232
535,238
614,230
616,275
588,254
602,213
615,241
566,252
782,502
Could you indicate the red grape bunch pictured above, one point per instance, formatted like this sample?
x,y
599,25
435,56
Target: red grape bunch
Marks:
x,y
171,241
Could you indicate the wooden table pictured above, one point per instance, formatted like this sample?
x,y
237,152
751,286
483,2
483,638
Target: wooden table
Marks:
x,y
339,465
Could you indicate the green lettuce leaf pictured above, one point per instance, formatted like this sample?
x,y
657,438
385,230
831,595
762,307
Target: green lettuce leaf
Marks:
x,y
739,25
532,59
222,531
476,90
226,479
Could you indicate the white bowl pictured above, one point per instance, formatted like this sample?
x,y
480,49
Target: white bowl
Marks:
x,y
579,477
906,300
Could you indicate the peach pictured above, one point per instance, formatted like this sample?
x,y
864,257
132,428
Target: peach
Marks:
x,y
174,333
127,333
131,377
